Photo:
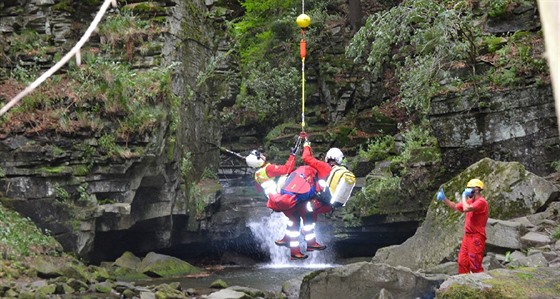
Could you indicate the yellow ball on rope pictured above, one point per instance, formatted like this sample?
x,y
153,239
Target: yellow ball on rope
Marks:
x,y
303,21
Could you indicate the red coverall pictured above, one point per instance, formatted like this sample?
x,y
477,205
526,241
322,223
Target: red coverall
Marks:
x,y
269,171
323,171
278,202
474,240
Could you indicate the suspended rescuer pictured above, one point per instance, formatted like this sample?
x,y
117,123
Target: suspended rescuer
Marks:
x,y
265,176
475,208
267,172
299,189
325,198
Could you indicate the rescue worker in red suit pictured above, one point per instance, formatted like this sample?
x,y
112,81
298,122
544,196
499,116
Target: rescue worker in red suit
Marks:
x,y
285,203
266,172
321,204
475,208
302,184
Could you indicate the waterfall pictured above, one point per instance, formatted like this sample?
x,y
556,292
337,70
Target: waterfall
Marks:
x,y
272,227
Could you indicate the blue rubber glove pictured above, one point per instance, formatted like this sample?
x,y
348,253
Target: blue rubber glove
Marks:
x,y
468,192
440,195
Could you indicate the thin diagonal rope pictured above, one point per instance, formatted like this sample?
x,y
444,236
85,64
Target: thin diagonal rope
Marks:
x,y
75,51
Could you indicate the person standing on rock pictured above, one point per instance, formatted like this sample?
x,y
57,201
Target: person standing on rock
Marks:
x,y
475,208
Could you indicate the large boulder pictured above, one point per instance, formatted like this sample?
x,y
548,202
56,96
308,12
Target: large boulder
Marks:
x,y
511,192
503,283
368,280
159,265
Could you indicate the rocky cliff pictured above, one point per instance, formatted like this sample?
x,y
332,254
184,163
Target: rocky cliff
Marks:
x,y
112,182
139,190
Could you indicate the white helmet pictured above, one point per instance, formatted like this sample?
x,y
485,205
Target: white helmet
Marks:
x,y
254,159
334,154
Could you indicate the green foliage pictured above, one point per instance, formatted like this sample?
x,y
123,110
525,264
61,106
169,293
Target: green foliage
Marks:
x,y
64,5
498,8
460,291
556,233
27,42
508,258
101,92
257,32
418,39
106,201
270,93
382,192
378,149
108,144
83,194
122,27
494,43
20,237
556,165
61,194
517,59
196,199
268,32
379,192
186,165
209,173
414,138
24,75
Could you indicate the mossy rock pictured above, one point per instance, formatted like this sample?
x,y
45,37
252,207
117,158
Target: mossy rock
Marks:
x,y
45,291
503,283
159,265
77,271
283,134
126,274
424,154
127,260
146,9
510,189
219,284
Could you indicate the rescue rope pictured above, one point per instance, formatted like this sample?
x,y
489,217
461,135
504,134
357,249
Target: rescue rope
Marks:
x,y
303,22
302,49
75,51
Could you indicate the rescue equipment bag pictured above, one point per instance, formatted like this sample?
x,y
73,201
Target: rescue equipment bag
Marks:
x,y
341,181
301,182
281,202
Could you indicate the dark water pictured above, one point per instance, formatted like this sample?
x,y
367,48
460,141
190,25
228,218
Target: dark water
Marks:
x,y
263,277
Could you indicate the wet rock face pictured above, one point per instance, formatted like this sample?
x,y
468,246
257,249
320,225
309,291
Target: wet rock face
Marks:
x,y
515,125
96,204
74,195
513,194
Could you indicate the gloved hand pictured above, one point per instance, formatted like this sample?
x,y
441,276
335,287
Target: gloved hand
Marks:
x,y
440,195
306,143
468,192
309,206
294,150
324,197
